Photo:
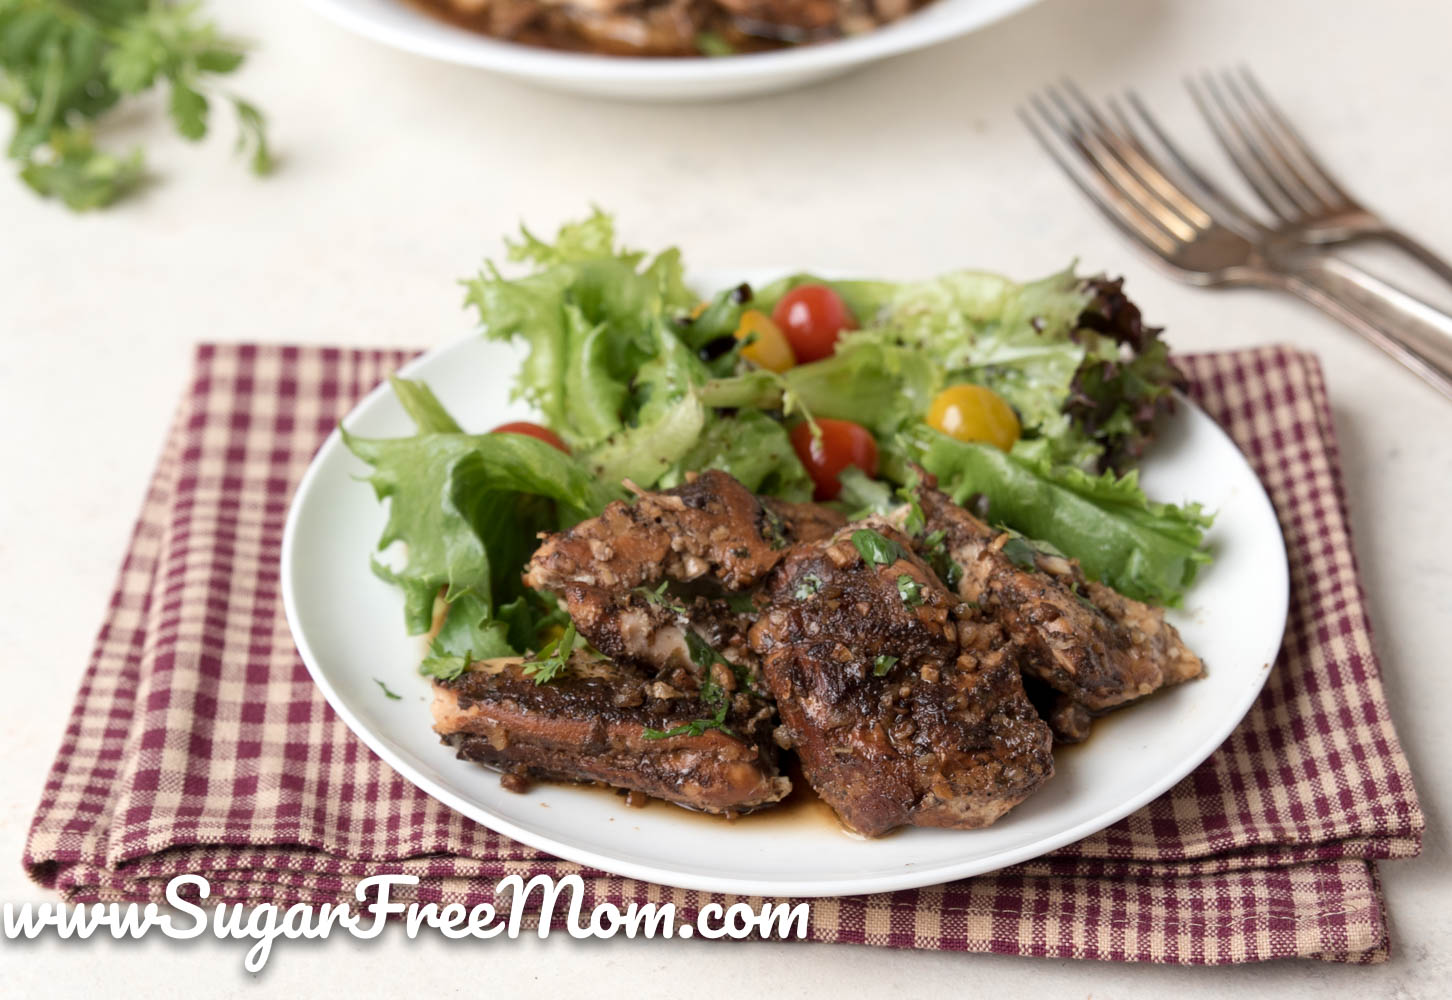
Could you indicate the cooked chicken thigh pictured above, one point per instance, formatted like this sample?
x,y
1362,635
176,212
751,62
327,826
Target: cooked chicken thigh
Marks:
x,y
904,707
709,540
600,721
1093,646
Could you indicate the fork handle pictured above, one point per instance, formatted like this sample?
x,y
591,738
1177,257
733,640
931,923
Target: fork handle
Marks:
x,y
1416,334
1421,252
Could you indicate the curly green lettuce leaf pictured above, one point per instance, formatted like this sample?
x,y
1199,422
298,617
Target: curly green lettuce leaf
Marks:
x,y
589,317
467,509
1145,550
881,385
751,447
669,417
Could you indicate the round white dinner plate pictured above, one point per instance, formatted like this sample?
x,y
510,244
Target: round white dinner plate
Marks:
x,y
397,23
349,629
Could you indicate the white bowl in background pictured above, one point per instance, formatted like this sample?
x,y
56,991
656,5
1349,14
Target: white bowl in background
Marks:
x,y
396,23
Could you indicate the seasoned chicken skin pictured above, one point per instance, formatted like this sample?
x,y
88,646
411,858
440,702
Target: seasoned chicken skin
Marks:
x,y
708,540
600,721
711,526
904,707
1093,646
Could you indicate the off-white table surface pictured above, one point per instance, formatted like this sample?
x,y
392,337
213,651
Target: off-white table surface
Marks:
x,y
400,175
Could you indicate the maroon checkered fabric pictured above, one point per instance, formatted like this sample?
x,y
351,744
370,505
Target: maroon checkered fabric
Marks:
x,y
199,744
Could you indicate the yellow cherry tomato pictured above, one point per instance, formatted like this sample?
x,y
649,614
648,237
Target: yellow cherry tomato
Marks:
x,y
768,348
974,413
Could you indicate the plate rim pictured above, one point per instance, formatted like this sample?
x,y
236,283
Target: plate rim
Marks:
x,y
906,878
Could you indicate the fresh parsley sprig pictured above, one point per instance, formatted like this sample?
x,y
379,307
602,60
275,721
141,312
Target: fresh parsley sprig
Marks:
x,y
66,63
552,658
661,599
876,548
909,590
713,695
693,728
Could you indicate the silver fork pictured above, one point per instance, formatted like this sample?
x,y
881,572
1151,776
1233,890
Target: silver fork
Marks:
x,y
1310,204
1200,235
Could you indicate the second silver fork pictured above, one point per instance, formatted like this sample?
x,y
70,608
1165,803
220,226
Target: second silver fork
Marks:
x,y
1202,237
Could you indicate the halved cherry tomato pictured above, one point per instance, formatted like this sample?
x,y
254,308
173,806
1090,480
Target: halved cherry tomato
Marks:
x,y
544,434
842,443
769,348
812,317
974,413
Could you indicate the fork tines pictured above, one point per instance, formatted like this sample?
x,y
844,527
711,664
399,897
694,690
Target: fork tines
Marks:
x,y
1164,206
1273,158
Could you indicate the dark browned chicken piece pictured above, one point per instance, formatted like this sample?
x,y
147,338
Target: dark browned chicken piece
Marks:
x,y
904,707
593,723
707,539
1093,646
711,526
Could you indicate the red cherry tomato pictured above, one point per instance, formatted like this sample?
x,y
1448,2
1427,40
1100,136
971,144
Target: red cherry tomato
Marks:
x,y
544,434
812,317
842,443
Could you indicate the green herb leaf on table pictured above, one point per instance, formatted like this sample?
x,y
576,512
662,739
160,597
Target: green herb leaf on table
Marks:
x,y
64,65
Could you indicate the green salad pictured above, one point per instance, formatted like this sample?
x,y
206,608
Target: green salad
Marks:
x,y
1028,402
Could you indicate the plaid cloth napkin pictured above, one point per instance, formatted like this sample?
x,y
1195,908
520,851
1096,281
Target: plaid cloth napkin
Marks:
x,y
199,744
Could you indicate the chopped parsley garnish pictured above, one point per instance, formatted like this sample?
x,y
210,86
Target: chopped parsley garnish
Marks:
x,y
705,657
1019,551
392,696
660,599
552,658
909,590
876,548
936,547
742,604
773,531
695,728
713,695
709,43
443,666
702,655
809,584
915,521
883,664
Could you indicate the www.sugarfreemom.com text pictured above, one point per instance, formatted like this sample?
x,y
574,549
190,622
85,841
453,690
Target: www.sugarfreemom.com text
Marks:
x,y
266,923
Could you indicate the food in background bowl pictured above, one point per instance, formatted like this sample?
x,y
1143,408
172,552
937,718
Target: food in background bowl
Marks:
x,y
670,27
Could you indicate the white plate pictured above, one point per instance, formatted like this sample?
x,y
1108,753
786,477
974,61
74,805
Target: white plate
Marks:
x,y
349,629
394,22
